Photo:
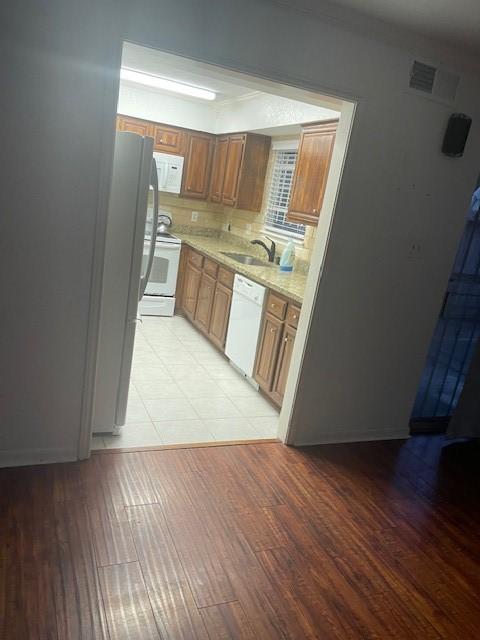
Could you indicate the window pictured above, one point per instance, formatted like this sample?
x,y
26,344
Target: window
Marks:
x,y
279,196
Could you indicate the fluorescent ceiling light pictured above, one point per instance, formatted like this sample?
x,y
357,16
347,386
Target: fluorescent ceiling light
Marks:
x,y
164,83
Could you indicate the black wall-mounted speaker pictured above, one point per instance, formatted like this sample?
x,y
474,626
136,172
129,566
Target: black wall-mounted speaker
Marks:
x,y
456,135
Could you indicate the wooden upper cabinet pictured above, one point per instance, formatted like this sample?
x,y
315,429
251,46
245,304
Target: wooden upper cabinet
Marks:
x,y
311,172
251,183
198,160
141,127
169,139
239,168
233,166
218,168
166,139
228,169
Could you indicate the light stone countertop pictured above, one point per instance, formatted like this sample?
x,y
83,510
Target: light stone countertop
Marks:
x,y
291,285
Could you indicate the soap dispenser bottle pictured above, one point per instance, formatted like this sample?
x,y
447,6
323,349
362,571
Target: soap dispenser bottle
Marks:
x,y
288,257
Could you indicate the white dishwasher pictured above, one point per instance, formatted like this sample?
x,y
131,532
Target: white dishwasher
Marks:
x,y
244,324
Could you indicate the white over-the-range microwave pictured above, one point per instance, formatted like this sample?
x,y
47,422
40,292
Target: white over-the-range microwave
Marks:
x,y
169,169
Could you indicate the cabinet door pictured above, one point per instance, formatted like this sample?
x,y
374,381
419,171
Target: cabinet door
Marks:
x,y
142,127
218,169
283,365
191,284
196,172
205,301
233,166
169,139
268,352
220,315
311,173
181,278
251,185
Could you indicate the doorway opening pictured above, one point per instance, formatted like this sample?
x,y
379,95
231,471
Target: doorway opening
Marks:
x,y
455,336
248,172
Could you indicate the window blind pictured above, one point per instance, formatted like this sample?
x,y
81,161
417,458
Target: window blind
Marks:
x,y
279,196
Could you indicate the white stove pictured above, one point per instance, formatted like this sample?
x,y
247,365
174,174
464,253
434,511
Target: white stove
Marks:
x,y
159,298
166,237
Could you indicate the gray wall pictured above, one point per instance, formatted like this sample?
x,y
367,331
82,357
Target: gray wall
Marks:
x,y
53,71
376,307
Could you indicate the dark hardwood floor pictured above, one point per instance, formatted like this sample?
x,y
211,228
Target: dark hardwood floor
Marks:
x,y
376,540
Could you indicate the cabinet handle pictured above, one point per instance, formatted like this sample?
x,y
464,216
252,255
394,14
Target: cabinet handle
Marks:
x,y
294,316
273,305
273,330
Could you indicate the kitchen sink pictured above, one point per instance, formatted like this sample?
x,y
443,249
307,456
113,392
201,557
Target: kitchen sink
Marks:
x,y
246,259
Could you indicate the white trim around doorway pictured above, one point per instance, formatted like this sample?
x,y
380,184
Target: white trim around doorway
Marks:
x,y
287,425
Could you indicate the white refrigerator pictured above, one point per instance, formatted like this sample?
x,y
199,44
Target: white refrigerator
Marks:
x,y
125,274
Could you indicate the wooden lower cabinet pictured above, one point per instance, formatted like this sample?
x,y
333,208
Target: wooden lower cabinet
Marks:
x,y
191,285
206,294
283,364
268,352
220,315
276,347
205,291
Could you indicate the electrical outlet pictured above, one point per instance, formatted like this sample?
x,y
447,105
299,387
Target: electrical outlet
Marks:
x,y
194,216
225,226
248,227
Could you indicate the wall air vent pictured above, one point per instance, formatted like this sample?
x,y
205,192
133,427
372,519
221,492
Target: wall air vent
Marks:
x,y
437,83
422,77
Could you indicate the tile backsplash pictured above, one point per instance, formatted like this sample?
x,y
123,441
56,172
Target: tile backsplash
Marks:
x,y
249,225
244,225
209,214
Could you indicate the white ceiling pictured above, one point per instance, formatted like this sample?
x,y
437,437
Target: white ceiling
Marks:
x,y
453,22
180,69
229,85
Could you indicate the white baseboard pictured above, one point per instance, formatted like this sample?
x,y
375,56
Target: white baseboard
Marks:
x,y
339,437
25,457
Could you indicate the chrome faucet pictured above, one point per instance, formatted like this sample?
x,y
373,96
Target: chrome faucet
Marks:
x,y
271,251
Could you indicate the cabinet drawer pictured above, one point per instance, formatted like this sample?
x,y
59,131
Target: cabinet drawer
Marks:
x,y
276,306
225,277
210,267
293,313
195,258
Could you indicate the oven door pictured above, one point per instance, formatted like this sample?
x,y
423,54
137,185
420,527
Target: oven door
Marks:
x,y
163,276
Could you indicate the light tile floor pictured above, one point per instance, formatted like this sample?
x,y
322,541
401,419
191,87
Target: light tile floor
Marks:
x,y
183,391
